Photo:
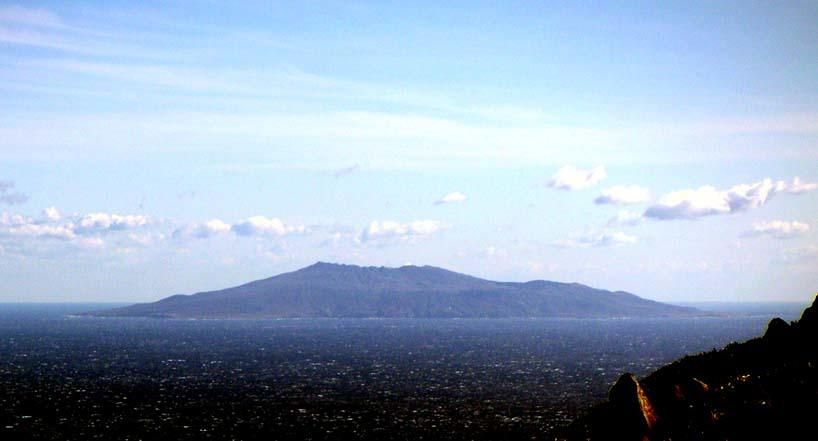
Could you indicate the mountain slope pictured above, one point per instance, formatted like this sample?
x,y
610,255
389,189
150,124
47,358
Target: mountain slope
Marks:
x,y
765,388
333,290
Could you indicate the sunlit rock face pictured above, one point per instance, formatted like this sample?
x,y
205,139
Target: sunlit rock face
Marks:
x,y
631,415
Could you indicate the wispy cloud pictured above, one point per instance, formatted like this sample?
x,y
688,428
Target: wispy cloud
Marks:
x,y
62,232
266,226
52,214
203,230
394,126
454,197
95,223
806,254
623,195
596,239
492,251
10,197
798,187
346,171
36,17
270,104
571,178
387,231
625,218
44,29
778,229
303,140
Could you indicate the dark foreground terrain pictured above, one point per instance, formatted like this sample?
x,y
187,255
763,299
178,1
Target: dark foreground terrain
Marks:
x,y
122,378
765,388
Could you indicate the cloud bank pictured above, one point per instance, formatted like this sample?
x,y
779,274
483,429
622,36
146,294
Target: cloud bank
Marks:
x,y
81,231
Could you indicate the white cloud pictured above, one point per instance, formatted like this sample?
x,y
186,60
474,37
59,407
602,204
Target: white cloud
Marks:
x,y
623,195
260,226
24,234
689,204
708,201
596,239
52,233
11,220
89,243
145,239
202,231
101,222
390,230
51,214
626,218
252,226
798,187
744,196
451,198
62,232
778,229
572,178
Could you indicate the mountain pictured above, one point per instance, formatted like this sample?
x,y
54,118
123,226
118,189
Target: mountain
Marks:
x,y
765,388
334,290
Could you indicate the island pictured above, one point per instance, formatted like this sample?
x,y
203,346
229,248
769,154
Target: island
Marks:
x,y
329,290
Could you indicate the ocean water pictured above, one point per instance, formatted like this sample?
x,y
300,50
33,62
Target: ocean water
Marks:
x,y
69,377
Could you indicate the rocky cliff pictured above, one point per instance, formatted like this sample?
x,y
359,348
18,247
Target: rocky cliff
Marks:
x,y
765,388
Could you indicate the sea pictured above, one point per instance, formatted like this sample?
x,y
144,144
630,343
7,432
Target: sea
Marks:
x,y
66,376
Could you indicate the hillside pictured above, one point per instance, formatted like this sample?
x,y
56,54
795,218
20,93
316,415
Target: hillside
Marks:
x,y
334,290
765,388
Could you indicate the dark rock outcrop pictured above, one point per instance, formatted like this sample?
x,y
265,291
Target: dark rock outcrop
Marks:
x,y
777,329
765,388
629,415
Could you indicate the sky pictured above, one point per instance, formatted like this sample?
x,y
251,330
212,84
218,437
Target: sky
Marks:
x,y
149,149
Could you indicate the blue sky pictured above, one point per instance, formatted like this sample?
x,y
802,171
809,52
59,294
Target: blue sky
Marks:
x,y
150,149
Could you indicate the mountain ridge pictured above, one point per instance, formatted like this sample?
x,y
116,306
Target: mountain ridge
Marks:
x,y
340,290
